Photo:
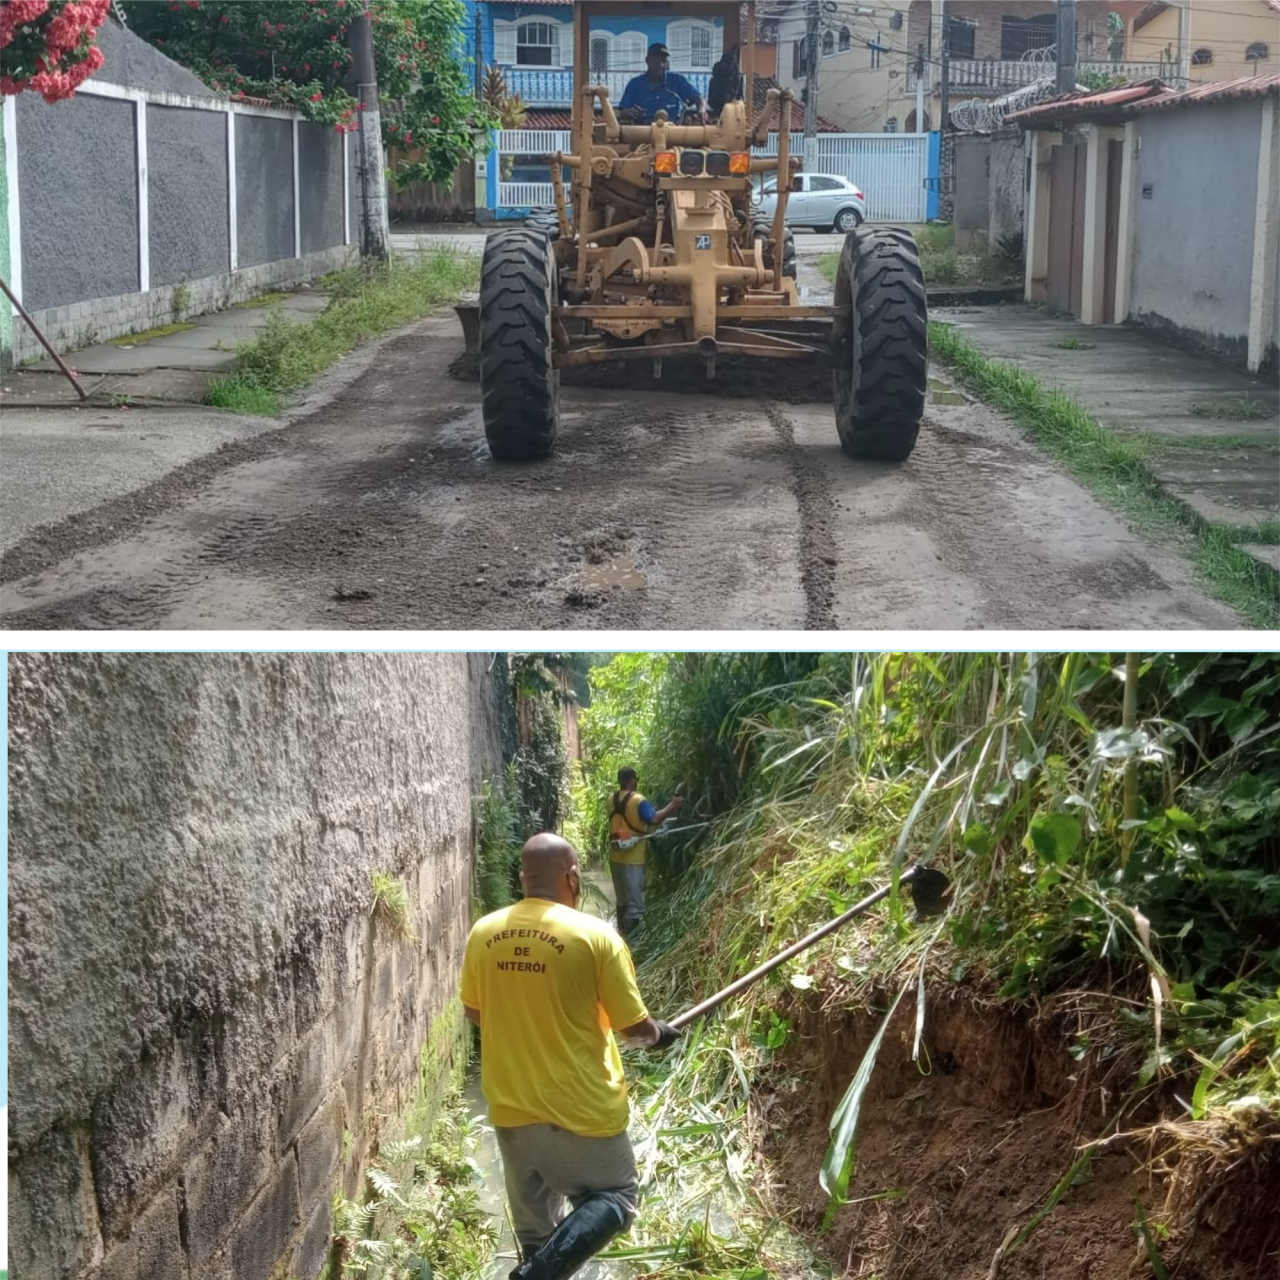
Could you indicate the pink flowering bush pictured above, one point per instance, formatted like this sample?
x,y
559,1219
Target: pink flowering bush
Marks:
x,y
48,45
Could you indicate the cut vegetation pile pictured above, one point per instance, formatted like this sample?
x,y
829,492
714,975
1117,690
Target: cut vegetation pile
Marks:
x,y
1078,1073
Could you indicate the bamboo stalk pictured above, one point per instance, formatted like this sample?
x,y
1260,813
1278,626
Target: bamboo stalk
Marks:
x,y
1131,765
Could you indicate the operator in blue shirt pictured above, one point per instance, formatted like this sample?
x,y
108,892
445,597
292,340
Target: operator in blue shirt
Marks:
x,y
659,89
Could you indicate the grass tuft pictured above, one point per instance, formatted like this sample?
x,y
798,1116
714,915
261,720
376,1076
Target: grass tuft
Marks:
x,y
1115,471
391,904
287,354
1235,409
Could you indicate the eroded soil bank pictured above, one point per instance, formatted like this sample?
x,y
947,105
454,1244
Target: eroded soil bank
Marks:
x,y
969,1146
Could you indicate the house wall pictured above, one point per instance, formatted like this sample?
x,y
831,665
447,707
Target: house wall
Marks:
x,y
200,1000
1007,186
1225,29
971,212
1194,235
854,93
78,252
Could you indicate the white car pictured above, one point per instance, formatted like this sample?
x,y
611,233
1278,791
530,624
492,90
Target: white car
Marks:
x,y
823,200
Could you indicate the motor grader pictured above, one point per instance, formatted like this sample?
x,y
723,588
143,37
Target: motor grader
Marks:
x,y
652,253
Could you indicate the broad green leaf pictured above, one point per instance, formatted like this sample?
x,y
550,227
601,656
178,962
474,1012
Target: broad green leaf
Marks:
x,y
1055,836
977,839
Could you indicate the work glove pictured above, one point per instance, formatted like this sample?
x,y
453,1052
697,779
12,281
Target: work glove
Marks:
x,y
667,1035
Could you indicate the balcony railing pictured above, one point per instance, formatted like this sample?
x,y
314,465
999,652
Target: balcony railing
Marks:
x,y
540,87
996,76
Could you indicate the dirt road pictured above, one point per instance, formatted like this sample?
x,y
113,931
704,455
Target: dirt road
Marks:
x,y
660,510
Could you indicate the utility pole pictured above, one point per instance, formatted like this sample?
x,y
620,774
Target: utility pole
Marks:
x,y
920,66
944,149
373,182
946,67
812,44
1066,46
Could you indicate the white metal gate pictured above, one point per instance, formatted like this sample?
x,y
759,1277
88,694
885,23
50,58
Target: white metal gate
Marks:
x,y
890,169
523,178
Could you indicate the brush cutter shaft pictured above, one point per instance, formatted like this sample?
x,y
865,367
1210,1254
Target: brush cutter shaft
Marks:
x,y
794,949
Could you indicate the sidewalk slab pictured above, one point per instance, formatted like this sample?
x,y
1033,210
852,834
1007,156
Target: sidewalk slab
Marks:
x,y
208,346
1132,382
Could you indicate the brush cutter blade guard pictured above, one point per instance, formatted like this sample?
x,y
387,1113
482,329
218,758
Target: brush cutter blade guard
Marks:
x,y
929,891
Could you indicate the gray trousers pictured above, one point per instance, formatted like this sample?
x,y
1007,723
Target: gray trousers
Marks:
x,y
628,887
544,1165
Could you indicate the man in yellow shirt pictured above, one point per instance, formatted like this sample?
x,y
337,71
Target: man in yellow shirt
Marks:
x,y
549,988
631,818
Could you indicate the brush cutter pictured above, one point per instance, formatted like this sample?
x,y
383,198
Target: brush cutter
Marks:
x,y
929,890
664,830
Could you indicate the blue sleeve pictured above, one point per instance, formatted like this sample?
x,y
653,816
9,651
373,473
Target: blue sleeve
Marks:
x,y
683,87
647,812
631,94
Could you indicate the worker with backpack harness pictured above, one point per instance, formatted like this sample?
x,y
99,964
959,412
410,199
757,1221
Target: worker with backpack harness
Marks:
x,y
631,819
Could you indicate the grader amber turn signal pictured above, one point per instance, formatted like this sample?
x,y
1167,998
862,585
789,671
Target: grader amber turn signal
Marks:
x,y
740,162
664,162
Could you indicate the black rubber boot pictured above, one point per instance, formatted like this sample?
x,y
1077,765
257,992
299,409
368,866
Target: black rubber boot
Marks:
x,y
582,1234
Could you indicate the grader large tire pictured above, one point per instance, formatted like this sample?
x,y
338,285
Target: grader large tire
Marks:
x,y
545,221
519,388
882,344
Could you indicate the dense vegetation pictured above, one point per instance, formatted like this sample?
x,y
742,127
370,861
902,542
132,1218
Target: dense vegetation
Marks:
x,y
1130,854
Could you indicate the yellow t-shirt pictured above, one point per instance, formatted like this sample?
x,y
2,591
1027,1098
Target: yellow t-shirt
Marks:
x,y
552,985
624,822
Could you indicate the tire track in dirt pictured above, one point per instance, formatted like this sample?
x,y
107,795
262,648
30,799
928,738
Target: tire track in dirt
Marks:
x,y
811,487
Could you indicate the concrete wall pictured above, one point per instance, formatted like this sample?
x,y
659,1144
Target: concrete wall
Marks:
x,y
1193,244
200,1001
78,185
78,244
136,64
264,199
320,180
189,237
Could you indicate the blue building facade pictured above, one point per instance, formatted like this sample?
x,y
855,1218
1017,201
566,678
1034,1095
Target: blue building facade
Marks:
x,y
532,42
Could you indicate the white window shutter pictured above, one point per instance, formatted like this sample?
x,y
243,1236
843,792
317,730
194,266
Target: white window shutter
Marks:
x,y
717,42
559,44
680,44
629,50
504,43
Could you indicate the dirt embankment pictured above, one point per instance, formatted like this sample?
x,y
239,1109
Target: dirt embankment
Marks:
x,y
970,1148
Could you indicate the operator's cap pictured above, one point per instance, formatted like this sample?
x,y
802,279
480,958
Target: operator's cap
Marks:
x,y
658,48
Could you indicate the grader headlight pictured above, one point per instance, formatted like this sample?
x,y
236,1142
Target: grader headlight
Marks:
x,y
691,163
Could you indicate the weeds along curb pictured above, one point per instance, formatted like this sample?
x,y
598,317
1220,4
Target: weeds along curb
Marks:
x,y
1116,472
365,303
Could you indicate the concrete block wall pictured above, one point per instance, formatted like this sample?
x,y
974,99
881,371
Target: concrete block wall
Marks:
x,y
165,201
201,1004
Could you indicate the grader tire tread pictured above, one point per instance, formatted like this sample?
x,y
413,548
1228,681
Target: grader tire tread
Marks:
x,y
519,388
880,389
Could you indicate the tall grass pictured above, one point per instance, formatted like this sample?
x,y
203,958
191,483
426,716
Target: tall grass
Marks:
x,y
288,354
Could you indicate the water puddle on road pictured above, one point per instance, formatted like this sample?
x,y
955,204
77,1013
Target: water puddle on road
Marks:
x,y
621,571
